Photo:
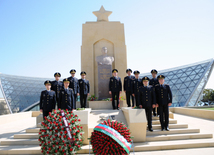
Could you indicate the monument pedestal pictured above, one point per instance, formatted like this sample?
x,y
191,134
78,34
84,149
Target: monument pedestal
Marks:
x,y
137,123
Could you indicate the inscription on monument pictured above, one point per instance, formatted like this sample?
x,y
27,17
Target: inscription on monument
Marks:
x,y
104,73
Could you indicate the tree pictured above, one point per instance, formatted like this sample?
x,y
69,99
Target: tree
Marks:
x,y
208,96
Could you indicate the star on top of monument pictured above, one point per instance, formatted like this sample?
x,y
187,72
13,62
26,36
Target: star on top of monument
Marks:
x,y
102,14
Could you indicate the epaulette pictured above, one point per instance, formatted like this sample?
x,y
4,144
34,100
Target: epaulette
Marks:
x,y
156,84
166,84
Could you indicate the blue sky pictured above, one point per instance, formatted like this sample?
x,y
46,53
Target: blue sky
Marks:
x,y
38,37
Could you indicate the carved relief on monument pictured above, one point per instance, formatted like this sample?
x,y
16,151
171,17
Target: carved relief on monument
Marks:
x,y
104,62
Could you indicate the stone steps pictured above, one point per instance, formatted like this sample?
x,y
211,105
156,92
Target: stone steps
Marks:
x,y
172,131
32,130
177,137
20,142
171,121
176,144
148,139
171,126
138,147
26,136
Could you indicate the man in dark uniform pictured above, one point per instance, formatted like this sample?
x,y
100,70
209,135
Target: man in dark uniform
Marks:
x,y
147,100
74,84
136,83
57,85
84,87
47,99
153,82
127,86
115,88
163,101
66,96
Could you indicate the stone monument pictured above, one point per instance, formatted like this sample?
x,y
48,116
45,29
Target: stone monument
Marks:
x,y
96,36
104,64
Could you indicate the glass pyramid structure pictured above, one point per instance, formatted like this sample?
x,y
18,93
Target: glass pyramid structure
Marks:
x,y
187,82
20,92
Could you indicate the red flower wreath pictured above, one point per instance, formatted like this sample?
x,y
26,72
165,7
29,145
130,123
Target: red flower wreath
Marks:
x,y
53,137
105,145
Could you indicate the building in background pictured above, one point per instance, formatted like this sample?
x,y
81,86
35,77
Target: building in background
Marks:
x,y
187,84
20,92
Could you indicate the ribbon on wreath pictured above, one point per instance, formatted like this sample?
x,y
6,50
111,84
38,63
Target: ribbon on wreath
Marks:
x,y
114,135
67,128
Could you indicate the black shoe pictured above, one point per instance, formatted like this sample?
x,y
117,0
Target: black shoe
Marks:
x,y
151,130
167,129
162,129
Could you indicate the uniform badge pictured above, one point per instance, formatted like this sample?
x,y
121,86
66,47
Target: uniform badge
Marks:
x,y
111,79
81,82
62,92
44,95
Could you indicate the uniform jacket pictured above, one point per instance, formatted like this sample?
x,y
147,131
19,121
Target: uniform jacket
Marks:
x,y
47,100
136,84
153,82
84,86
147,96
163,94
66,99
74,84
115,84
127,84
56,86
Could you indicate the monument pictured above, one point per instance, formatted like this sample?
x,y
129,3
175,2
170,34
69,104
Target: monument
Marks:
x,y
104,64
108,37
